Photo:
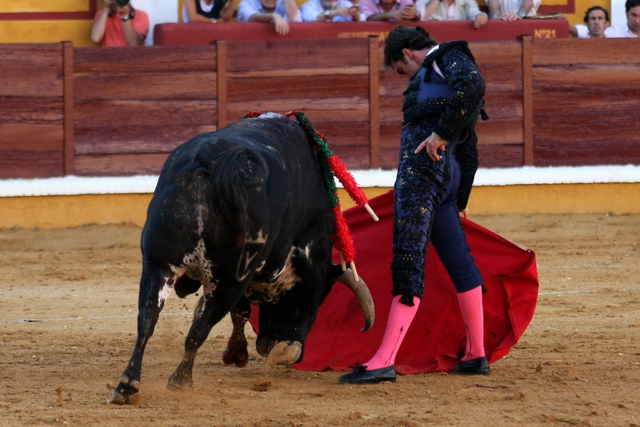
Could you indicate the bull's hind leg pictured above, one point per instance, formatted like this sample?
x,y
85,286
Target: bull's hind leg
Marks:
x,y
214,307
236,352
155,286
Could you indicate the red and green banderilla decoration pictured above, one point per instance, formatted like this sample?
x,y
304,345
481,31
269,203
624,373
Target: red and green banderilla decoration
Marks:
x,y
331,166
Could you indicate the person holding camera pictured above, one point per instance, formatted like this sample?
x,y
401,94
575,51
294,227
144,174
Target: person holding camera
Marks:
x,y
119,24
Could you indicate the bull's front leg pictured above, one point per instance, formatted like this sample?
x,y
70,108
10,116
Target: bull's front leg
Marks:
x,y
283,331
285,325
155,286
236,352
285,353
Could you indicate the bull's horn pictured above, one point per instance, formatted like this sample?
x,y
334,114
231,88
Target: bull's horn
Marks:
x,y
364,296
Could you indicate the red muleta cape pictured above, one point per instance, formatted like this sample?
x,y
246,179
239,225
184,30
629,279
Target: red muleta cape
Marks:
x,y
437,332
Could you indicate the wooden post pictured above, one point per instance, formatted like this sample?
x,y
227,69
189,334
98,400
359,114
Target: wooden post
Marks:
x,y
221,73
374,103
68,101
527,99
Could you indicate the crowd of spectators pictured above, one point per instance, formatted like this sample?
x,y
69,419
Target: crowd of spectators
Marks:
x,y
117,23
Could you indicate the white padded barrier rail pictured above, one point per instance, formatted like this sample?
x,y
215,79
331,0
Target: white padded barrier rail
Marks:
x,y
74,185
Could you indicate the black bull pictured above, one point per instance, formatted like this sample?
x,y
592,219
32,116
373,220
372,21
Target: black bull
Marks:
x,y
244,213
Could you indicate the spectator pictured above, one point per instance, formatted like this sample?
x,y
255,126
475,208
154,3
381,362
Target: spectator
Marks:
x,y
280,12
389,10
119,24
206,10
597,20
632,29
330,11
512,10
452,10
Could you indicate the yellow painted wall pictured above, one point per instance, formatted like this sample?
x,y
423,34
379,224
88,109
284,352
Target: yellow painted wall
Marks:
x,y
562,198
76,32
46,31
71,211
16,6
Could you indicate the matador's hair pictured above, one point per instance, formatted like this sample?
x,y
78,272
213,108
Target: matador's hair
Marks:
x,y
401,37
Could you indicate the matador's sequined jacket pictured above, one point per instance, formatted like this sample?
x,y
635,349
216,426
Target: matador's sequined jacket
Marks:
x,y
456,115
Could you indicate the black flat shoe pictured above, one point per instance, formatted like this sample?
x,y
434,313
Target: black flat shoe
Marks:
x,y
479,366
362,375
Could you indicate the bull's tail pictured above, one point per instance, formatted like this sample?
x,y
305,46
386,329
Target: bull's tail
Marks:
x,y
234,170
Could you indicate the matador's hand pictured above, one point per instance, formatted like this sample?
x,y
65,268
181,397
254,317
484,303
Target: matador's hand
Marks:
x,y
432,144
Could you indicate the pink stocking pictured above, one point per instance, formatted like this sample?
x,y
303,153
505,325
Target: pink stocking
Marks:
x,y
471,307
400,318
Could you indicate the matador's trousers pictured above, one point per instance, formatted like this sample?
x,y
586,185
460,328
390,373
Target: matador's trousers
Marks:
x,y
425,210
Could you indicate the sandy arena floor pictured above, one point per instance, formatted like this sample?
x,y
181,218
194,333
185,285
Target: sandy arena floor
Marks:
x,y
67,319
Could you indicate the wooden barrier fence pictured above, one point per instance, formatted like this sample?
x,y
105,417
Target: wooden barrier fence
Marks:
x,y
120,111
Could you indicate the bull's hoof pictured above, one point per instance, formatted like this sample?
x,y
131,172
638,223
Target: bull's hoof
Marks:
x,y
284,353
124,399
126,393
118,399
179,381
238,358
